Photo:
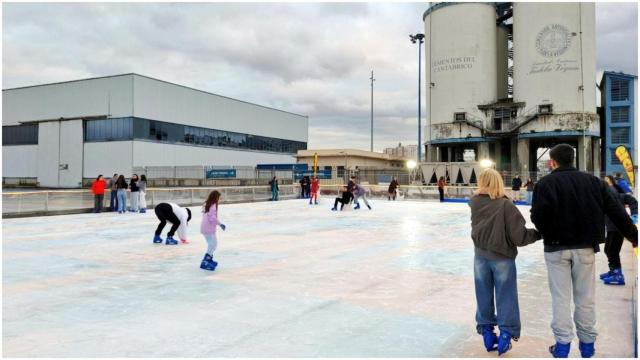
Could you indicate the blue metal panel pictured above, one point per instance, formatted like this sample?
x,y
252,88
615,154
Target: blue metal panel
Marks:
x,y
609,147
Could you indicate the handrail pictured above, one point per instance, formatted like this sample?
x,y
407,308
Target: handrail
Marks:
x,y
88,191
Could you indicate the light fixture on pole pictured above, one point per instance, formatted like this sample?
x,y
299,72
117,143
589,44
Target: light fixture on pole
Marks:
x,y
372,80
419,38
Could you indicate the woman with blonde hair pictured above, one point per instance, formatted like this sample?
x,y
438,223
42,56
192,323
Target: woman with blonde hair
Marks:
x,y
497,229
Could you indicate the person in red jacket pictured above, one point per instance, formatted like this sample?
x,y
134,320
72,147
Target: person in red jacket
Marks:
x,y
97,188
315,187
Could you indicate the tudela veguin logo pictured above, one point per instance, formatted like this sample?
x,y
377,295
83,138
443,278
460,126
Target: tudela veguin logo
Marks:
x,y
553,40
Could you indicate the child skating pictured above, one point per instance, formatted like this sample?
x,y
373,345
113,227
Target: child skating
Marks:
x,y
208,229
315,187
178,217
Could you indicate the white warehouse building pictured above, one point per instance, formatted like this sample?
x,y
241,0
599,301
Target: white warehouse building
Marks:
x,y
57,134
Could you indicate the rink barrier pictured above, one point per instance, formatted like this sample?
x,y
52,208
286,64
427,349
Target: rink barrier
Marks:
x,y
58,202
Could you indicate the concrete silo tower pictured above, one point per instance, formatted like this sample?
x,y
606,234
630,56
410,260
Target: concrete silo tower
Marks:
x,y
506,79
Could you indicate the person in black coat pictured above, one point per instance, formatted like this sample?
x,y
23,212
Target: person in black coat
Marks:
x,y
569,209
393,187
516,184
345,199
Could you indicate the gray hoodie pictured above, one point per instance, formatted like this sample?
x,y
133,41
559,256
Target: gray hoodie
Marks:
x,y
497,227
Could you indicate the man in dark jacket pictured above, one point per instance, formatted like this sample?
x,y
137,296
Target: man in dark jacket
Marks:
x,y
113,203
516,184
568,209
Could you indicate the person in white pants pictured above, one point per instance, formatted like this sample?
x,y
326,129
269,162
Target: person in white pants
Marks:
x,y
142,185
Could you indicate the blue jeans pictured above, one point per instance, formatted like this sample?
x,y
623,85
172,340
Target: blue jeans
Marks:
x,y
274,195
499,276
113,203
529,197
122,200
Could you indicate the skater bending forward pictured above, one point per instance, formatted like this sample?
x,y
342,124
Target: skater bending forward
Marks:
x,y
345,199
178,217
497,228
208,228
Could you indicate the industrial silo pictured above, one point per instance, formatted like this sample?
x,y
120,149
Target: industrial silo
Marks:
x,y
461,73
554,78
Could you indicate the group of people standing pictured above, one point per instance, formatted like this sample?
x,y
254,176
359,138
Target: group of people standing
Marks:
x,y
569,210
137,187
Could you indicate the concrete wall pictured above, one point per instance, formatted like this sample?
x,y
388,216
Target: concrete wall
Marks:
x,y
108,158
159,100
20,161
100,96
154,154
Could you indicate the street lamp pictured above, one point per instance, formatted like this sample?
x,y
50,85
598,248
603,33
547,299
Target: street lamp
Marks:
x,y
419,38
486,163
411,165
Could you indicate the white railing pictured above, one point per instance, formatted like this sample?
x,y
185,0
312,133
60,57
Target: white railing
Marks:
x,y
30,203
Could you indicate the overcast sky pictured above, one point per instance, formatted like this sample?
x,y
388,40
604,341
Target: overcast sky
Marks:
x,y
311,59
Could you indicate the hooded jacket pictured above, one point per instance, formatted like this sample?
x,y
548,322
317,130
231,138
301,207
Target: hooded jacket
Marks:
x,y
498,227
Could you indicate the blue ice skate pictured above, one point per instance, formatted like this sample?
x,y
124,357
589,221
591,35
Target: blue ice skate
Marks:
x,y
170,241
142,211
504,342
157,239
560,350
607,274
334,209
357,207
208,263
616,278
369,206
490,338
586,349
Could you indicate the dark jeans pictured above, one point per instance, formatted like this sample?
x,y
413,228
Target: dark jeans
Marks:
x,y
113,203
441,191
164,212
98,201
499,276
612,247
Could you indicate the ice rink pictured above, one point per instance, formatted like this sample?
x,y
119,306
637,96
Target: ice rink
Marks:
x,y
294,281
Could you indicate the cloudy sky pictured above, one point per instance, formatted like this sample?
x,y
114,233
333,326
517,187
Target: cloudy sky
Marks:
x,y
311,59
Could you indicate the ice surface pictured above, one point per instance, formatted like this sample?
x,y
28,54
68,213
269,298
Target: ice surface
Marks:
x,y
293,280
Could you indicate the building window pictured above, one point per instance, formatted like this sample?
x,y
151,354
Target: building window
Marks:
x,y
619,114
108,130
619,89
160,131
619,135
20,134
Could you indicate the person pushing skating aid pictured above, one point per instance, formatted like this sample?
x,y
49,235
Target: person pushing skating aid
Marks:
x,y
178,217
